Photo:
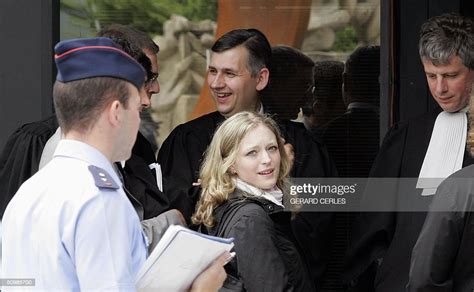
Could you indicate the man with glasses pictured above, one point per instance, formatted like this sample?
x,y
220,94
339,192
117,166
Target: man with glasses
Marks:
x,y
141,173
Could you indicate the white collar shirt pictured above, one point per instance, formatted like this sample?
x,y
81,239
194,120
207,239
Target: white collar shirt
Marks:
x,y
69,234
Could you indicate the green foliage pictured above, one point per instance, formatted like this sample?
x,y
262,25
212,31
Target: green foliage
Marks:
x,y
145,15
193,9
346,40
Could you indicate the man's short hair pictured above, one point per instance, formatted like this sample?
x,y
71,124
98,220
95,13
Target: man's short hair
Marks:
x,y
290,84
287,60
78,103
447,35
328,78
253,40
327,88
362,70
132,35
92,73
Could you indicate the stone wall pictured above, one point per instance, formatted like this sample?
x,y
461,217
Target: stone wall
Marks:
x,y
182,67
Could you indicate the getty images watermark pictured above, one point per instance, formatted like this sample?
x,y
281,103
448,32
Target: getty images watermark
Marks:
x,y
17,282
373,194
317,189
324,194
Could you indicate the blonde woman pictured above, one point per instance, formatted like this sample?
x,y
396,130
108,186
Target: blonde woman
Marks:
x,y
243,188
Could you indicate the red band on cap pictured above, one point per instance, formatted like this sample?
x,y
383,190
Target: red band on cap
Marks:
x,y
56,56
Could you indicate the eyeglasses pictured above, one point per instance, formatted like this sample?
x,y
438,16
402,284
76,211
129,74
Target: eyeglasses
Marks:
x,y
152,78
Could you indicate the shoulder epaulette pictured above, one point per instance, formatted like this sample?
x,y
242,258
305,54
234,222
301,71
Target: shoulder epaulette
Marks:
x,y
102,178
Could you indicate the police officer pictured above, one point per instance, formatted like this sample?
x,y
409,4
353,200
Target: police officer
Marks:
x,y
71,226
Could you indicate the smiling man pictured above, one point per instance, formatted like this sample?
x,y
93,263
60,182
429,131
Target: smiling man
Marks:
x,y
430,146
234,83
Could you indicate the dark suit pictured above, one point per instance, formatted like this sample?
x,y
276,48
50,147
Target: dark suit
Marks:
x,y
353,141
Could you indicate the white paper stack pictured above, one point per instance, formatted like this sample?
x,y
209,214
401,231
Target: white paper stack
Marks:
x,y
180,256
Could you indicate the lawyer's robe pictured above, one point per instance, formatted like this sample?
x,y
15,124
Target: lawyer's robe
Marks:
x,y
21,155
383,241
140,181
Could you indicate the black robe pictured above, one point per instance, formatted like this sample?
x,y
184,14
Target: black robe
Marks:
x,y
383,241
352,140
442,259
140,181
182,153
21,155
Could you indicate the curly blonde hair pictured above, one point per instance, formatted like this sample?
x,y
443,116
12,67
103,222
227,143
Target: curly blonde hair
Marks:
x,y
217,181
470,125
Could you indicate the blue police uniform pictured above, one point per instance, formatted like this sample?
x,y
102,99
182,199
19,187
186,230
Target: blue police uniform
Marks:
x,y
70,227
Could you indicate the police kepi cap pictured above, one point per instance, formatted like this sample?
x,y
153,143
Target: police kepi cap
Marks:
x,y
95,57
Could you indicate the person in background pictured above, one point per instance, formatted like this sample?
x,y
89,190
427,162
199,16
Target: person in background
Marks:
x,y
291,83
244,185
126,36
352,139
327,102
141,173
